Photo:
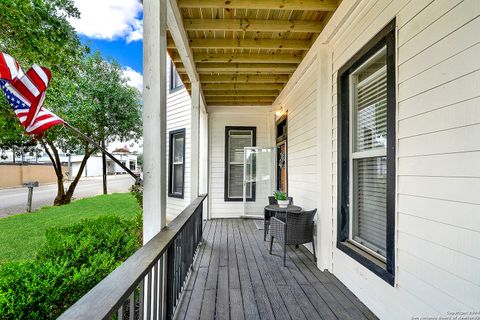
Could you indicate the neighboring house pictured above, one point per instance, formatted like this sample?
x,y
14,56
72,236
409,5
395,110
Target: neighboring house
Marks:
x,y
381,99
93,168
127,158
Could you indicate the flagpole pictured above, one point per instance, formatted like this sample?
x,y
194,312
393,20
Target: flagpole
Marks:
x,y
81,134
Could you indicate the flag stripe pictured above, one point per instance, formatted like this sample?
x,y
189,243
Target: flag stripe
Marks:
x,y
29,83
42,73
22,89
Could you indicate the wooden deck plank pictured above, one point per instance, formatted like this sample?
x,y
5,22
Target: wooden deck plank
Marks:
x,y
263,303
186,296
222,309
269,277
291,281
327,284
330,301
198,288
235,277
250,307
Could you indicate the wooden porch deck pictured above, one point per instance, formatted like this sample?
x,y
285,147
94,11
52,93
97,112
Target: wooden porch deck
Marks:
x,y
234,277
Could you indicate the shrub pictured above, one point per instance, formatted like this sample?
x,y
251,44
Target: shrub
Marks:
x,y
72,261
137,191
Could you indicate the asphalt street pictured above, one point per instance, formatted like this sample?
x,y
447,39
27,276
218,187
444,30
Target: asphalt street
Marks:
x,y
14,200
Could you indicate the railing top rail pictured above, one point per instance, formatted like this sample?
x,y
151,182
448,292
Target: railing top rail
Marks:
x,y
107,296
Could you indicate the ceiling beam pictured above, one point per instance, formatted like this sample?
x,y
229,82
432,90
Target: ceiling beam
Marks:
x,y
226,104
252,25
244,78
251,68
229,93
241,58
240,99
268,44
313,5
242,86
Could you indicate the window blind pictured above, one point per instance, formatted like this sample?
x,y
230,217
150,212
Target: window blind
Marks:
x,y
369,155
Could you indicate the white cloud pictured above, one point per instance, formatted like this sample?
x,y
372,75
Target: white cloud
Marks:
x,y
109,19
135,79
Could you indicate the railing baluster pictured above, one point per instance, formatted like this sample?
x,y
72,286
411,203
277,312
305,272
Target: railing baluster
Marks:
x,y
155,291
161,288
141,300
120,313
149,296
131,310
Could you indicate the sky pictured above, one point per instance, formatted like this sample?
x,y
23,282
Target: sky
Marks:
x,y
115,28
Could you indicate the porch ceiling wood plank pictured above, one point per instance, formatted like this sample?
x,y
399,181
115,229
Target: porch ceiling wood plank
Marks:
x,y
255,68
244,78
242,86
241,58
253,25
225,104
242,99
244,93
314,5
272,44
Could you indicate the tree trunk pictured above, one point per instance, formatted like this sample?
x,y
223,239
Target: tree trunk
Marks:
x,y
68,195
104,165
57,166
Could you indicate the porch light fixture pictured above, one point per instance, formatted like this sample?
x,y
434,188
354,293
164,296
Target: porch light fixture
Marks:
x,y
279,112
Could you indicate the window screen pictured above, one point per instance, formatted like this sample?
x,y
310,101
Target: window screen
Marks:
x,y
176,163
236,139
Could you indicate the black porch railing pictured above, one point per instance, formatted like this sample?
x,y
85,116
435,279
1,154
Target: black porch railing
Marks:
x,y
149,284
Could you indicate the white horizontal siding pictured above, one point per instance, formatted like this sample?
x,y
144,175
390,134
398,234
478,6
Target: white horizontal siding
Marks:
x,y
438,154
302,141
219,119
179,117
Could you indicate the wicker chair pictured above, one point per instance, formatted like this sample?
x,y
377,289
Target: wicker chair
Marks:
x,y
297,229
268,214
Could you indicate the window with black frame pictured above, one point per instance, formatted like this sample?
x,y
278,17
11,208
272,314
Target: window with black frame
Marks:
x,y
176,162
236,139
175,80
367,155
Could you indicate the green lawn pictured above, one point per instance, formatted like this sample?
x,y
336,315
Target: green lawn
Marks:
x,y
21,235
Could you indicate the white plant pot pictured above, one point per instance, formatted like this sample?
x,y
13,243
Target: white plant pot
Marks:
x,y
283,203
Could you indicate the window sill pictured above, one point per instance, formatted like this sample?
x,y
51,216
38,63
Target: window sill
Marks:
x,y
370,262
173,195
238,199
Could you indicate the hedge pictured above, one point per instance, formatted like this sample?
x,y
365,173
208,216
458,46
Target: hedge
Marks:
x,y
71,262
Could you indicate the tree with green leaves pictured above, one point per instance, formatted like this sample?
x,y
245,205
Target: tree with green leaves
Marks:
x,y
102,106
37,31
86,91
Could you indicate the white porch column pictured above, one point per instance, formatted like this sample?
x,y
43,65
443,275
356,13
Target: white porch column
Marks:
x,y
154,116
195,140
325,236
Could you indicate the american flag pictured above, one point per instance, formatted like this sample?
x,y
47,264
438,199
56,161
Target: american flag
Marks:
x,y
26,94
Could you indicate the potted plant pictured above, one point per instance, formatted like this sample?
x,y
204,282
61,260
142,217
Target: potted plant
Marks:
x,y
281,198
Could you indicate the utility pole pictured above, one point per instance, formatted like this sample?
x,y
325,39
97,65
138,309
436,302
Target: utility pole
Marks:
x,y
104,168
